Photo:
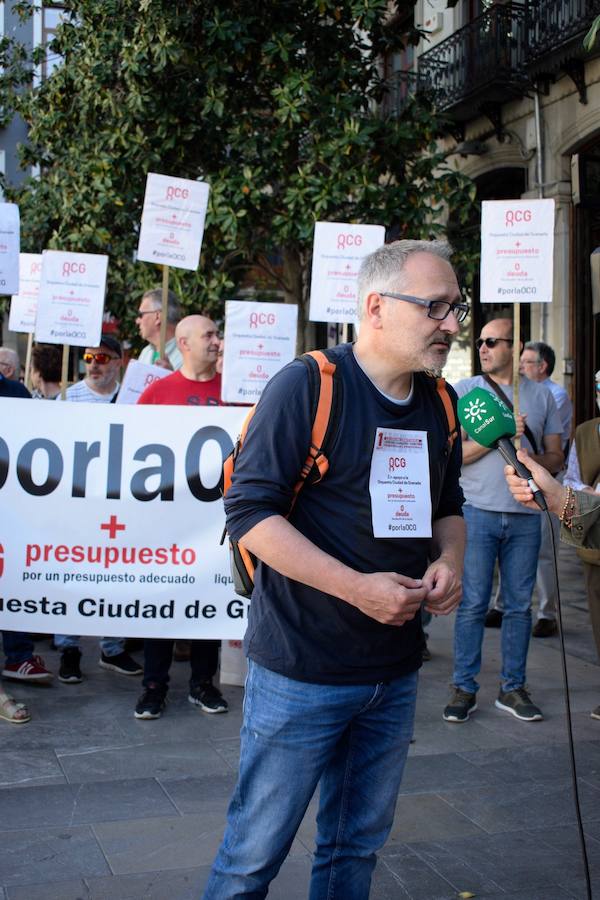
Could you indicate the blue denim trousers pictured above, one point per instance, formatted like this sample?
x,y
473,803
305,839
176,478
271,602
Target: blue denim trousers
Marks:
x,y
18,646
353,740
110,646
514,540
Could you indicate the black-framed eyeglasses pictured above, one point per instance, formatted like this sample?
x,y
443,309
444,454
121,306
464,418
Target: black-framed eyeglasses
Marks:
x,y
491,342
436,309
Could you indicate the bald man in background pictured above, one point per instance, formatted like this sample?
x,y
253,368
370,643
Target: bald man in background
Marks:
x,y
197,383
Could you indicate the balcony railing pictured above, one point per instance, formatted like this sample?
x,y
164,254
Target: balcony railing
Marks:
x,y
556,28
401,87
482,63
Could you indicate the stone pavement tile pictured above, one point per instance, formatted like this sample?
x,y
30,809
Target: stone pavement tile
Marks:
x,y
38,855
149,845
527,763
512,860
435,734
445,771
156,760
49,732
184,884
75,889
181,722
82,804
229,750
31,768
510,807
412,877
205,793
427,817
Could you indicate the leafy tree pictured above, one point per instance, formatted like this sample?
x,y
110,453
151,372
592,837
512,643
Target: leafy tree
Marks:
x,y
276,104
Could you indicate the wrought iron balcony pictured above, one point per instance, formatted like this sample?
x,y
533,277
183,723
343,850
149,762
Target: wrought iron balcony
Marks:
x,y
401,87
480,66
555,32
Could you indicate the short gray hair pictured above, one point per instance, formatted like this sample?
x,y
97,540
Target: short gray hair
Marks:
x,y
545,353
10,357
382,269
173,305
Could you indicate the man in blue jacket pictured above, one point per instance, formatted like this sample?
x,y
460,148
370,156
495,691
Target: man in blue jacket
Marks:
x,y
334,638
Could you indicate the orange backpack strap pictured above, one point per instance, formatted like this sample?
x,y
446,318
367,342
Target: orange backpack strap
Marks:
x,y
448,409
316,463
229,463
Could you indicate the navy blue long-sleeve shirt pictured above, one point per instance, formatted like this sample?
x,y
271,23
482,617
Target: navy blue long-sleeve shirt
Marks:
x,y
299,631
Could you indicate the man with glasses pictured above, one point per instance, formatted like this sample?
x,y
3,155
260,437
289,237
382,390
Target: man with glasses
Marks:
x,y
334,639
100,385
148,321
499,528
102,369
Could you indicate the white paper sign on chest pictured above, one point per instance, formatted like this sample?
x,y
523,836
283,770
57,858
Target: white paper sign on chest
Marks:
x,y
23,306
517,251
173,221
71,298
338,251
9,248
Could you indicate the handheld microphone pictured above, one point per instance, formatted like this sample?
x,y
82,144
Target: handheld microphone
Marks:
x,y
490,423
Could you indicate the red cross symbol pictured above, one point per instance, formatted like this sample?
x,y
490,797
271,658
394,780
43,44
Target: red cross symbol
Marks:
x,y
112,526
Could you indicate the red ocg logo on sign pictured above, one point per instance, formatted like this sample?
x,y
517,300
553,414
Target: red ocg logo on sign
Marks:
x,y
1,560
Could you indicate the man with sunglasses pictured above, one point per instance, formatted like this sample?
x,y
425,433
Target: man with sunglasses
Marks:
x,y
498,528
334,638
102,369
100,385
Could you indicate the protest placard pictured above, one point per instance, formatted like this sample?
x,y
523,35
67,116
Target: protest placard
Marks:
x,y
9,248
23,306
172,221
260,338
138,376
517,246
71,298
338,251
114,519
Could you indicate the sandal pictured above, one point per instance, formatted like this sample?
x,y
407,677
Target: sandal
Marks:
x,y
12,710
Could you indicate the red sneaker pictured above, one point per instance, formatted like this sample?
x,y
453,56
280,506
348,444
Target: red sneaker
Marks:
x,y
33,669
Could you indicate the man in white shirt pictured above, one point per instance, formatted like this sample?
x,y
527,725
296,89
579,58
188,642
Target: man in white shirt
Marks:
x,y
148,321
102,369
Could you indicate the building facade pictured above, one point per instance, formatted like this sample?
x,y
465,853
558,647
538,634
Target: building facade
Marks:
x,y
522,100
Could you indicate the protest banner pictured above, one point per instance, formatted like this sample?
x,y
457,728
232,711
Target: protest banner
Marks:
x,y
517,246
9,248
23,306
260,338
171,229
113,519
71,298
172,221
138,376
517,260
338,251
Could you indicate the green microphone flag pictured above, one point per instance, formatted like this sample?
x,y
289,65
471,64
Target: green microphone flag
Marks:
x,y
485,418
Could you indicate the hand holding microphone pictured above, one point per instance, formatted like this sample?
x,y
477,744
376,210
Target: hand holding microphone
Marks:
x,y
552,490
490,423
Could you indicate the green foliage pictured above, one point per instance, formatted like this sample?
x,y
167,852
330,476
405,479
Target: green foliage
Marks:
x,y
274,103
592,35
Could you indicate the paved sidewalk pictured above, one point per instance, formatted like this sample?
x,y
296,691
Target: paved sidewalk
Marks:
x,y
96,804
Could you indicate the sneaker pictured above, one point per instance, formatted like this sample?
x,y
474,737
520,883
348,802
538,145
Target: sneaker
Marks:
x,y
32,669
151,702
595,713
493,618
208,697
461,705
122,663
518,702
544,628
69,672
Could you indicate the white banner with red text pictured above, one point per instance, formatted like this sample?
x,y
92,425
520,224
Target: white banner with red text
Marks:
x,y
112,520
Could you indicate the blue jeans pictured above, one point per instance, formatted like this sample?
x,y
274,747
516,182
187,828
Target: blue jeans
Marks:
x,y
18,646
353,739
110,646
513,539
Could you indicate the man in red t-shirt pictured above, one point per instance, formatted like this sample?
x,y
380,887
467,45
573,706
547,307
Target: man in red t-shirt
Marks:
x,y
195,384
